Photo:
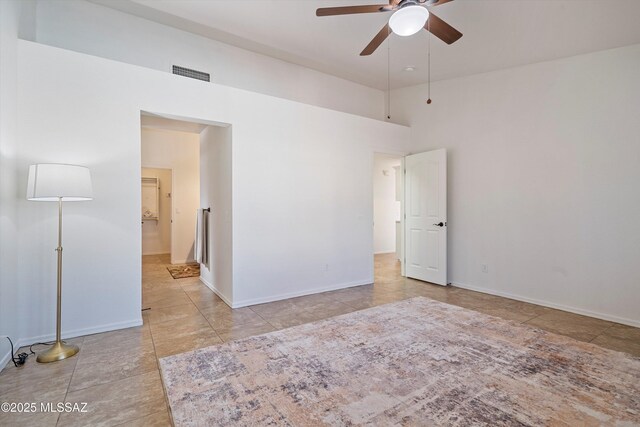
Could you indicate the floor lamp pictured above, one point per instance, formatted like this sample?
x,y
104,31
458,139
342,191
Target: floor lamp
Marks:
x,y
58,183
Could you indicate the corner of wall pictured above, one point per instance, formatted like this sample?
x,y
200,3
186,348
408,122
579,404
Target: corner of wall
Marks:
x,y
9,294
216,291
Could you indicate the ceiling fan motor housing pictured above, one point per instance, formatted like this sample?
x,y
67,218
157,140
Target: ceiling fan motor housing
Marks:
x,y
405,3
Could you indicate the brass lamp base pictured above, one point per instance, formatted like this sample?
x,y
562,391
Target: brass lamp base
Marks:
x,y
58,351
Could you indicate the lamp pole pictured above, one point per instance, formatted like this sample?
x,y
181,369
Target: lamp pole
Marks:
x,y
59,278
59,350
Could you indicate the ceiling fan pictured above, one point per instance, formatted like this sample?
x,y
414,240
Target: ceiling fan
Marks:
x,y
409,17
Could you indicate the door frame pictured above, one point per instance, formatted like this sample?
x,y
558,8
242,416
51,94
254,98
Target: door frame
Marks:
x,y
173,179
401,155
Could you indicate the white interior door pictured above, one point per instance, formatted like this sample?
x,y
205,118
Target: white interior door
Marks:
x,y
426,216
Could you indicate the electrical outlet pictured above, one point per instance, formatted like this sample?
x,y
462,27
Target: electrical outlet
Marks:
x,y
485,268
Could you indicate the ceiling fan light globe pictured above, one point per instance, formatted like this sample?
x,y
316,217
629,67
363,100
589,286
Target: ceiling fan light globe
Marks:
x,y
408,20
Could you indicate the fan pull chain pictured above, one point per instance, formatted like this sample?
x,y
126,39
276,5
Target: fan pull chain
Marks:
x,y
389,75
429,62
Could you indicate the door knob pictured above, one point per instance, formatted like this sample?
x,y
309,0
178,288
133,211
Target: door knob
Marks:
x,y
440,224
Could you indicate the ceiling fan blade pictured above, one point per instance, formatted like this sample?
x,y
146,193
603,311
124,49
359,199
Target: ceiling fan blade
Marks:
x,y
437,2
441,29
377,41
349,10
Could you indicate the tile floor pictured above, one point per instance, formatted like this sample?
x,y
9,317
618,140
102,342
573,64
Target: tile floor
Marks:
x,y
116,373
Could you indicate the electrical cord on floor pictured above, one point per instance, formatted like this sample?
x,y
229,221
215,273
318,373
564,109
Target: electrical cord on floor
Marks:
x,y
40,343
21,358
18,359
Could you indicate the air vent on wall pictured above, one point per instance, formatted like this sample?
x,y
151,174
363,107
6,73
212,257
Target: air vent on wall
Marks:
x,y
194,74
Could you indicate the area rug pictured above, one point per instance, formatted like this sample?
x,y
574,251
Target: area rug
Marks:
x,y
414,362
181,271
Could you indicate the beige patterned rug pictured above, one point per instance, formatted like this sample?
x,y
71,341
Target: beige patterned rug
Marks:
x,y
414,362
181,271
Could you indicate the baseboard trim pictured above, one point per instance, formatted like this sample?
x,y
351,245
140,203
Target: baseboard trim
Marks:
x,y
597,315
254,301
5,359
84,331
70,334
384,252
216,291
156,253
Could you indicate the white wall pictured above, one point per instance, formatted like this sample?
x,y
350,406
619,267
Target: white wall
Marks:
x,y
9,289
216,193
544,166
156,234
97,30
178,151
386,210
302,186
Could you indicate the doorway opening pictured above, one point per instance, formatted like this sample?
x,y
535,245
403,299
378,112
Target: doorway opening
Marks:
x,y
186,231
387,213
410,216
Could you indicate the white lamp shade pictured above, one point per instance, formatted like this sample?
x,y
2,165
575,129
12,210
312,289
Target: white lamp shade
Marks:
x,y
48,182
408,20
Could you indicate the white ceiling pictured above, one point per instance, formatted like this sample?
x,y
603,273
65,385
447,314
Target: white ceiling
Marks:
x,y
497,33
